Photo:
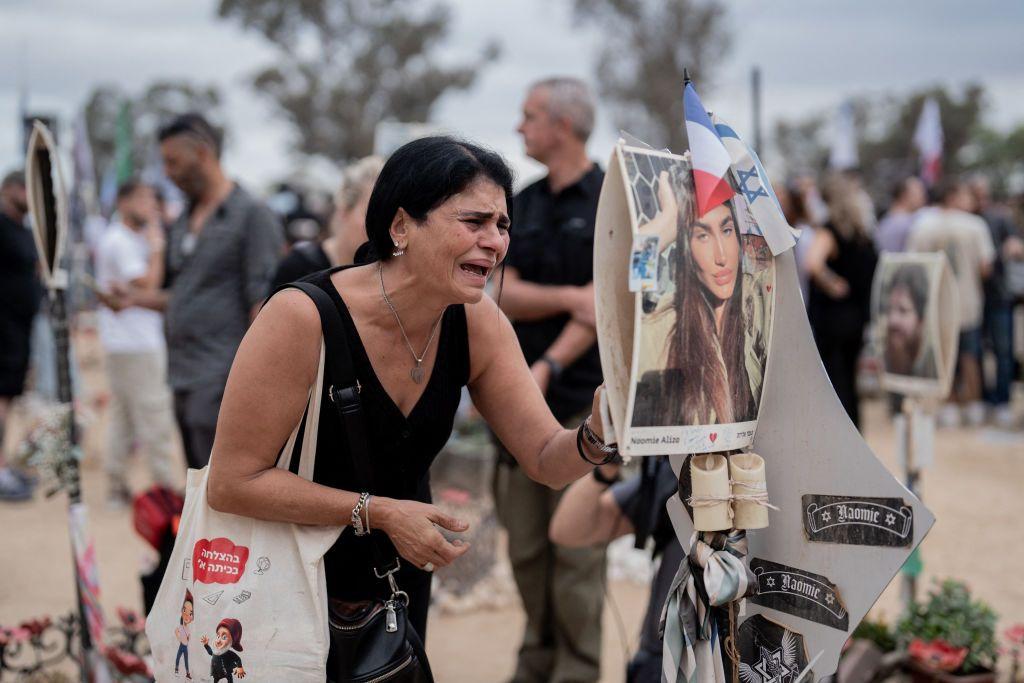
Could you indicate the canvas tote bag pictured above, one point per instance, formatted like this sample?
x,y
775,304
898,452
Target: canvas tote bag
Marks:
x,y
254,590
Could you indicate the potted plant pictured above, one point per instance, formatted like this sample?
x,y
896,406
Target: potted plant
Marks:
x,y
949,637
1015,648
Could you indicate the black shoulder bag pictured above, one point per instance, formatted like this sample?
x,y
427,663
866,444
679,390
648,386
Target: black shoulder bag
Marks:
x,y
371,642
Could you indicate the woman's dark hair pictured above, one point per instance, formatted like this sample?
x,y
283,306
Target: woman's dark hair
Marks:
x,y
422,175
697,382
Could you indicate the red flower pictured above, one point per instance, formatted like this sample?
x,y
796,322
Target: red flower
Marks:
x,y
20,634
131,620
35,627
125,662
1015,634
938,654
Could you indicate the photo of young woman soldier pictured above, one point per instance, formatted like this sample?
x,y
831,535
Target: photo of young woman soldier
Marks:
x,y
704,337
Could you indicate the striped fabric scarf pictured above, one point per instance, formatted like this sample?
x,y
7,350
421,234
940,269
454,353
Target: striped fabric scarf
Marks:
x,y
693,645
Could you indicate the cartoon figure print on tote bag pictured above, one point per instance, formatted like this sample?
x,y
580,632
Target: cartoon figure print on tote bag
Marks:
x,y
245,598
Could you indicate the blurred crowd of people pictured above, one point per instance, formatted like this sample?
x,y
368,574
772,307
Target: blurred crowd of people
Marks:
x,y
837,254
177,293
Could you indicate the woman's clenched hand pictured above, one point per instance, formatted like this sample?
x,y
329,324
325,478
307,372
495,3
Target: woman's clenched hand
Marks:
x,y
412,528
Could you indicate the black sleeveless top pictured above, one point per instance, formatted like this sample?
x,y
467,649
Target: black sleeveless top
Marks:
x,y
855,260
401,452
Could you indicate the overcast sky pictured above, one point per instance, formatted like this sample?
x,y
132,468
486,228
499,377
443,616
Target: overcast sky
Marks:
x,y
812,55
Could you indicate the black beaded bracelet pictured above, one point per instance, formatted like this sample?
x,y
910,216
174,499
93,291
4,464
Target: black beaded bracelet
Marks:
x,y
591,438
610,458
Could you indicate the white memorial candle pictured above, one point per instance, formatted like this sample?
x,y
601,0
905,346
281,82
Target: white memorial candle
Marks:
x,y
747,472
709,477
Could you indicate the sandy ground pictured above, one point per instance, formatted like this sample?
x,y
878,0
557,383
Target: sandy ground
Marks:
x,y
974,488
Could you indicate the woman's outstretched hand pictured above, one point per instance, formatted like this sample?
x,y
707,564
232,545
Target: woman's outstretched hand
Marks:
x,y
413,529
664,222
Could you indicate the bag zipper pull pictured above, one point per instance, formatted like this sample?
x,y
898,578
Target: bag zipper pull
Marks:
x,y
390,619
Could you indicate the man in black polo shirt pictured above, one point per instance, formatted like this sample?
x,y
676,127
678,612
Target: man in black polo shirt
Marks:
x,y
548,293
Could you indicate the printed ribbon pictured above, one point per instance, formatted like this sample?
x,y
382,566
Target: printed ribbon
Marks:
x,y
692,643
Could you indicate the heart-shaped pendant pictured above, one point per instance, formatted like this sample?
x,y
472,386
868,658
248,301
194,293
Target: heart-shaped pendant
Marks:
x,y
417,373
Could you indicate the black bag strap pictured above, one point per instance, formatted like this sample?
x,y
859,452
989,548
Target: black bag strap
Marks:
x,y
343,392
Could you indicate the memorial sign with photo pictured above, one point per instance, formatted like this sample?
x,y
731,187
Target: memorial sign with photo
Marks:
x,y
697,312
916,339
690,376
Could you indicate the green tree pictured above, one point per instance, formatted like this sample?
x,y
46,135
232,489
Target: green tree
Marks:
x,y
645,46
999,156
345,65
802,143
960,114
147,111
885,130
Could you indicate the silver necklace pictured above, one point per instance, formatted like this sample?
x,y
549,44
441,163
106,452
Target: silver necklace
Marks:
x,y
417,370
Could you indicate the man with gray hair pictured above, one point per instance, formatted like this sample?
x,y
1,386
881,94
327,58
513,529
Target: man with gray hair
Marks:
x,y
548,294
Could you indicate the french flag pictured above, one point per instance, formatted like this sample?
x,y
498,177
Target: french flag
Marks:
x,y
928,140
709,156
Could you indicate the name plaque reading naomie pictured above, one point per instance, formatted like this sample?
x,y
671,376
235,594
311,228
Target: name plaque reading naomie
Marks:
x,y
800,593
886,522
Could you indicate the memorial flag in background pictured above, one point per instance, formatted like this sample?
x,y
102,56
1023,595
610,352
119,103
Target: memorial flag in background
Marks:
x,y
710,158
928,141
843,155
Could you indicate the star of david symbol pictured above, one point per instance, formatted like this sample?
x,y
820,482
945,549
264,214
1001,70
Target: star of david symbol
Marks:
x,y
830,598
772,668
744,178
826,516
770,581
890,519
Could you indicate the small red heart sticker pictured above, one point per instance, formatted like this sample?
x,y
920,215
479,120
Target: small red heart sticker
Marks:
x,y
714,435
769,287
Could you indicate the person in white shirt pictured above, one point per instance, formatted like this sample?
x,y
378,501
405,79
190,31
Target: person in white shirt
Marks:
x,y
131,254
965,240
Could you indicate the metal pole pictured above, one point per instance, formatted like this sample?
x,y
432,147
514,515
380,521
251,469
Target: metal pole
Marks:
x,y
909,588
59,318
755,97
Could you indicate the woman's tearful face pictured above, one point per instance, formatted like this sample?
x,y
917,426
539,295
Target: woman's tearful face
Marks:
x,y
465,239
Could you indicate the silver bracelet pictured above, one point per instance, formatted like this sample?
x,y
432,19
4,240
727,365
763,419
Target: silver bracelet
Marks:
x,y
592,439
357,520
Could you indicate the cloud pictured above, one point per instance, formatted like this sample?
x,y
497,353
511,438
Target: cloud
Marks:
x,y
812,56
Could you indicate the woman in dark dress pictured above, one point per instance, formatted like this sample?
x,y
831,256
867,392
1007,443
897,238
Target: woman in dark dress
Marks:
x,y
841,264
420,327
